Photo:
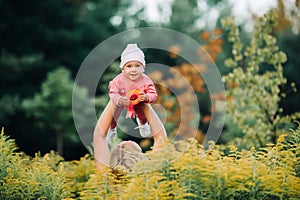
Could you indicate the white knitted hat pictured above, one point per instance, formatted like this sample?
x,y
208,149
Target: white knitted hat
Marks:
x,y
132,53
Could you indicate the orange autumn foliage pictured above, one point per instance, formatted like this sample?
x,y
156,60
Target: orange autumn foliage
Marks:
x,y
174,51
186,78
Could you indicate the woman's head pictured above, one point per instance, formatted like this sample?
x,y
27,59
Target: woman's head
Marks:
x,y
126,155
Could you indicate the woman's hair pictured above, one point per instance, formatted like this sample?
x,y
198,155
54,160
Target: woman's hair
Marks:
x,y
126,155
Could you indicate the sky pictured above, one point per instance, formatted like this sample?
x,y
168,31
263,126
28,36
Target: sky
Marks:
x,y
159,11
242,8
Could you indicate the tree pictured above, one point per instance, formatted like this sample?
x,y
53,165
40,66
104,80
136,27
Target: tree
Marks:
x,y
254,87
52,106
190,11
37,37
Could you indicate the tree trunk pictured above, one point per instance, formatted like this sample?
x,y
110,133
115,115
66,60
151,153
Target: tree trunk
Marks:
x,y
59,143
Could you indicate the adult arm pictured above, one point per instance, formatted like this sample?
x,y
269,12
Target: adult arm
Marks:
x,y
101,150
157,128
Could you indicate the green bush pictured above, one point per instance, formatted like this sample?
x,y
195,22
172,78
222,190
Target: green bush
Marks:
x,y
255,85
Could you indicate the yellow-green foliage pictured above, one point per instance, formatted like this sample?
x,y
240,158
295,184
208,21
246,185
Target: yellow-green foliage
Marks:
x,y
31,178
79,171
183,170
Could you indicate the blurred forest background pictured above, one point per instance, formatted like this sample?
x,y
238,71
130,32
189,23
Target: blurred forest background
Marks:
x,y
43,44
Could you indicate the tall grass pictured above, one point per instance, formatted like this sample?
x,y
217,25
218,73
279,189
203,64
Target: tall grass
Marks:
x,y
183,170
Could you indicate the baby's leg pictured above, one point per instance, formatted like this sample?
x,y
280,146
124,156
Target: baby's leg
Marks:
x,y
140,113
118,112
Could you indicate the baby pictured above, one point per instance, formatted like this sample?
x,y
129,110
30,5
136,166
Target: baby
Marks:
x,y
130,89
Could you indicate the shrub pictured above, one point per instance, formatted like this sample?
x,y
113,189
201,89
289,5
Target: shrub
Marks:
x,y
183,170
268,173
255,85
23,177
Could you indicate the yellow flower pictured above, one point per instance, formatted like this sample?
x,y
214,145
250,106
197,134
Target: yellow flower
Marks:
x,y
281,138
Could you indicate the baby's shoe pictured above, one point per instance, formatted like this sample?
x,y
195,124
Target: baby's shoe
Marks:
x,y
144,128
110,134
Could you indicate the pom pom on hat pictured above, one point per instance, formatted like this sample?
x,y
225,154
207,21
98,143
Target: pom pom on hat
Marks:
x,y
132,53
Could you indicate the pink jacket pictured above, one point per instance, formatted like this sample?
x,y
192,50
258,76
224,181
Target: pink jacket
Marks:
x,y
121,85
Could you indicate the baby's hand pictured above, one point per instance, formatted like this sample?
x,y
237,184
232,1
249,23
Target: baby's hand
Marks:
x,y
124,101
142,97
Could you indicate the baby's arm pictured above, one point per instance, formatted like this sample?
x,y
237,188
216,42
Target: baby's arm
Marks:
x,y
150,93
143,97
123,101
114,94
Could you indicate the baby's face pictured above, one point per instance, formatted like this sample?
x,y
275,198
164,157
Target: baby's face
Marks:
x,y
133,70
